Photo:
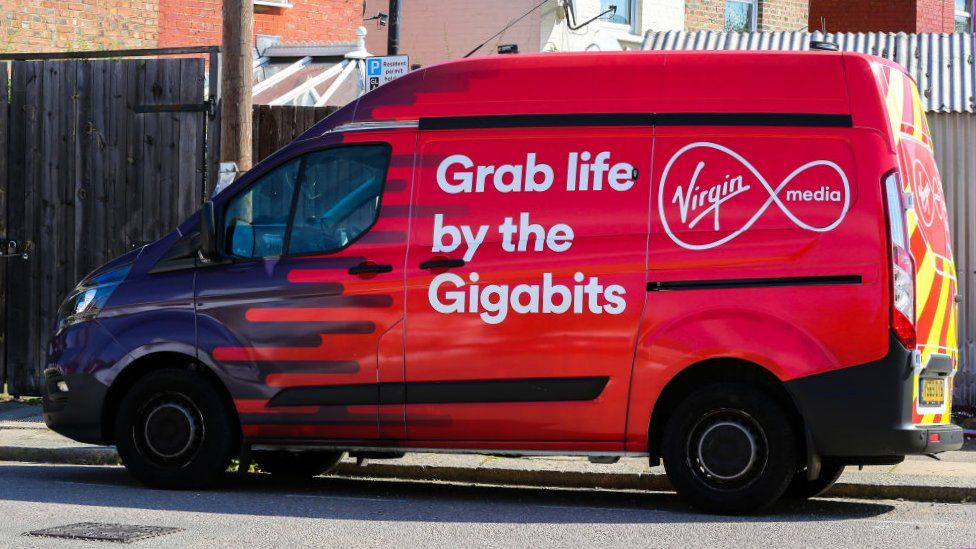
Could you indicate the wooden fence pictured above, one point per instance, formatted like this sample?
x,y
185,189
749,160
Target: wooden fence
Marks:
x,y
91,170
96,156
275,127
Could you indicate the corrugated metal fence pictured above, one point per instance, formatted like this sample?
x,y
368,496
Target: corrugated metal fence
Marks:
x,y
955,152
942,64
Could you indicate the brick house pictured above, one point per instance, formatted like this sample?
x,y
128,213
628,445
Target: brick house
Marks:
x,y
892,15
197,22
434,31
64,25
746,15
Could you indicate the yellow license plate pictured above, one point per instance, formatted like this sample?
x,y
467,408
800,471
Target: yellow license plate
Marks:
x,y
933,392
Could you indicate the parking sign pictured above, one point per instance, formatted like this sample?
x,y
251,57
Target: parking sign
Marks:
x,y
382,69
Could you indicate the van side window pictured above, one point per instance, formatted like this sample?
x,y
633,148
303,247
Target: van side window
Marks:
x,y
255,221
339,198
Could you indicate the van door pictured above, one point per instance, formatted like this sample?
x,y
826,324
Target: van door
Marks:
x,y
306,314
525,283
930,243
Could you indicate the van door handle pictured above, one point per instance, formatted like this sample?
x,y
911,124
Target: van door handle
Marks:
x,y
367,267
441,263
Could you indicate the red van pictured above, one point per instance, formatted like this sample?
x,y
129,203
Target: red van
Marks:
x,y
735,262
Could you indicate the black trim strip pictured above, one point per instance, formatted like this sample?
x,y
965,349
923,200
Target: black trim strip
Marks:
x,y
754,119
445,392
534,120
636,119
731,283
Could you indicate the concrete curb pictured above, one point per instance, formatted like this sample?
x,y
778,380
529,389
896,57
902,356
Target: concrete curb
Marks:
x,y
70,456
514,477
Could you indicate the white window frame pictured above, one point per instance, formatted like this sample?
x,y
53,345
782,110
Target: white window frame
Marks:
x,y
755,13
274,3
964,14
629,29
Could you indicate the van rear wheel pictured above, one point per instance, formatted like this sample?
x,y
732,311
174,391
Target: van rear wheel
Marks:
x,y
728,448
297,465
174,430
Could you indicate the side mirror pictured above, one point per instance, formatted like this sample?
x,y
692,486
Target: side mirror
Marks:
x,y
208,232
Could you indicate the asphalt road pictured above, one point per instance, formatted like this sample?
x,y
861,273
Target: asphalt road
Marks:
x,y
258,511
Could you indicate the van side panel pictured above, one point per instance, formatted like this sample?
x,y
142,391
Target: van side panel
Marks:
x,y
767,246
528,336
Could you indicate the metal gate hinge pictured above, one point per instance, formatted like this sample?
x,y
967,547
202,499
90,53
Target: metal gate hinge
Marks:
x,y
13,248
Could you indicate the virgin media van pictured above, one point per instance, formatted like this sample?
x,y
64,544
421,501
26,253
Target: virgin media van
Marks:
x,y
738,263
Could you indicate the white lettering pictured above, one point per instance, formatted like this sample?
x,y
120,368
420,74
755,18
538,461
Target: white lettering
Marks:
x,y
462,181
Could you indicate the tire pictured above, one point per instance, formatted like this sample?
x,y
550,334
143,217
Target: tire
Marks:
x,y
175,430
801,488
297,465
728,448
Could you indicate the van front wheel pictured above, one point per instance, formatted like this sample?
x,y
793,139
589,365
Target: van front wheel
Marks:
x,y
728,448
174,430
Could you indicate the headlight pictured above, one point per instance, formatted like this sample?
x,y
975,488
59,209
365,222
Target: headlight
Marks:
x,y
88,298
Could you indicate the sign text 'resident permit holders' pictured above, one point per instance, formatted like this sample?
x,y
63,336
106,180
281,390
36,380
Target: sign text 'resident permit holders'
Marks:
x,y
383,69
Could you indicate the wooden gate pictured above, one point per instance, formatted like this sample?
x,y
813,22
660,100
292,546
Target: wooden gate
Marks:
x,y
99,156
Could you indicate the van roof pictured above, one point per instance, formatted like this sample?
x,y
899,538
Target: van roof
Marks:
x,y
619,83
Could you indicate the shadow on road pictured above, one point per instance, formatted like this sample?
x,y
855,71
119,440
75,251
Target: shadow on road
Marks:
x,y
369,499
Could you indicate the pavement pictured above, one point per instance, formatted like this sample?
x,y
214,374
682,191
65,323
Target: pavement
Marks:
x,y
258,510
951,478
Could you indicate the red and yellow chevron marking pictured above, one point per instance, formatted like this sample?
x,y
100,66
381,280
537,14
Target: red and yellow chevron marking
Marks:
x,y
935,272
906,113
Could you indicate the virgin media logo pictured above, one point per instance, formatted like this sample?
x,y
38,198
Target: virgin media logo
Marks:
x,y
710,194
928,192
930,206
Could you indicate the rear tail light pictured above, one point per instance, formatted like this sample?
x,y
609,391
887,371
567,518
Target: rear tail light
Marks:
x,y
902,265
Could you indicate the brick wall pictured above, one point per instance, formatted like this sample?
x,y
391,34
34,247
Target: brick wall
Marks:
x,y
705,15
883,15
783,15
59,25
197,22
935,16
772,15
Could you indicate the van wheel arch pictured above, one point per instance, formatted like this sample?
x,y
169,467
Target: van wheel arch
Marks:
x,y
718,370
152,363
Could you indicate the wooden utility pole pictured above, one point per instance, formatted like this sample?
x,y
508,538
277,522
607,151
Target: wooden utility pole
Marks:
x,y
237,79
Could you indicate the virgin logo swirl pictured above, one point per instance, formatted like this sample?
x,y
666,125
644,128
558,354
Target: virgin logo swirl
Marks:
x,y
930,202
684,204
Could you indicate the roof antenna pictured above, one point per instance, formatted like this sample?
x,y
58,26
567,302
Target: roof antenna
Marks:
x,y
825,44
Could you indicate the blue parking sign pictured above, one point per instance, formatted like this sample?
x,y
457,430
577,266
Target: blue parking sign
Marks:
x,y
374,67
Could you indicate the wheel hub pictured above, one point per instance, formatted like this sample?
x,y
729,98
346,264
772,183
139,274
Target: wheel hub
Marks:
x,y
727,449
171,429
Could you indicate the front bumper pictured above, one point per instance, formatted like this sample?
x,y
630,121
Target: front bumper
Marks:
x,y
865,411
81,356
76,414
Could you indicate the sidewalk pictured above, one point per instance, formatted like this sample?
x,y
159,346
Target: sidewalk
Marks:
x,y
952,478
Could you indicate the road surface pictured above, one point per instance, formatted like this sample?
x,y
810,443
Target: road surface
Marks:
x,y
258,511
